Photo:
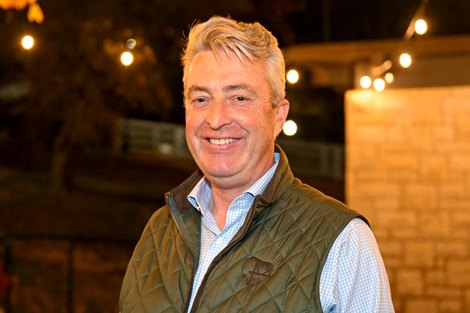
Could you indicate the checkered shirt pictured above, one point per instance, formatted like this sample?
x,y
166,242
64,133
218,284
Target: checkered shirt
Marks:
x,y
353,278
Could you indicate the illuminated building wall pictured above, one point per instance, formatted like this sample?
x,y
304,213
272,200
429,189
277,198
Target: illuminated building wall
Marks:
x,y
408,171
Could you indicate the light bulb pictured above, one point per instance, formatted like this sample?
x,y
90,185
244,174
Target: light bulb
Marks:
x,y
127,58
421,26
365,81
27,42
405,60
289,128
293,76
389,77
379,84
131,43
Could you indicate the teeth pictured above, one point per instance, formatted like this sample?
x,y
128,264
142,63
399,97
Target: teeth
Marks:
x,y
224,141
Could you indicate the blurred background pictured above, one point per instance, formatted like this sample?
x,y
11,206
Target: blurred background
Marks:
x,y
92,122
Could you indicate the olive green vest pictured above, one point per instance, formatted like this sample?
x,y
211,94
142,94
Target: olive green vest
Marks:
x,y
273,264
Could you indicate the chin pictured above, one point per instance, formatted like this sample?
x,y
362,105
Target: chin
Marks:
x,y
219,171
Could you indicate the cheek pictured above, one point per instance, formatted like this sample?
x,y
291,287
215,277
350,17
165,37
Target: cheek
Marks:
x,y
191,121
269,122
190,128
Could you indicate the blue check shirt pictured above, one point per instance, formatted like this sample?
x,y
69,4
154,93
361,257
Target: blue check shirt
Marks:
x,y
353,278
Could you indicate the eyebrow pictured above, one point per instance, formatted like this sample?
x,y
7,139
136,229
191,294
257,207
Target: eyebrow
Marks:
x,y
238,87
225,89
197,88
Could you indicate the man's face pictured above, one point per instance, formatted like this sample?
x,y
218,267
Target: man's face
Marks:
x,y
230,122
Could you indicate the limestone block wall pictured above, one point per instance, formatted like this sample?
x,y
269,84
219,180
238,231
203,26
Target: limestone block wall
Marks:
x,y
408,170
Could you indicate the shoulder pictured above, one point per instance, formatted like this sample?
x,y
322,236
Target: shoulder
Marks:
x,y
159,220
305,197
159,217
356,242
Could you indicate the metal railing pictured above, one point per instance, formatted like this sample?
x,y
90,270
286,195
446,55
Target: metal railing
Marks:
x,y
322,159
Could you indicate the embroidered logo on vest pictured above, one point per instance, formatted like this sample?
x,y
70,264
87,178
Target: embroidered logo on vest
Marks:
x,y
255,270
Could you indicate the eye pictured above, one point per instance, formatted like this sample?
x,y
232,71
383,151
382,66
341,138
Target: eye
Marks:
x,y
198,101
241,98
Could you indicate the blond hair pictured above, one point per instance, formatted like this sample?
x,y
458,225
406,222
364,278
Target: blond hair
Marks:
x,y
247,40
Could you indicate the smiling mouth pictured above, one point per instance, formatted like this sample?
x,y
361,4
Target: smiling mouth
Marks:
x,y
223,141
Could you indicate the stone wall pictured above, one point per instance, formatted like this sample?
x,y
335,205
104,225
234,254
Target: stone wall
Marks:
x,y
408,171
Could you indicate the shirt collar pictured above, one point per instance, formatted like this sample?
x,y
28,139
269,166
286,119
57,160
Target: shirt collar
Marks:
x,y
200,196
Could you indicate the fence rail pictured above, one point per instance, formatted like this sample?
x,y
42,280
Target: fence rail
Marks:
x,y
137,135
308,158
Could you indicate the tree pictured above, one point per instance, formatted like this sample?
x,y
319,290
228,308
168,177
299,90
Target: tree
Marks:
x,y
78,87
34,10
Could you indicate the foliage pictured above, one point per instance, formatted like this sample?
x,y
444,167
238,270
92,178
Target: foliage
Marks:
x,y
77,85
34,10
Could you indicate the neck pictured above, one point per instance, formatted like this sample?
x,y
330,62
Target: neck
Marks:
x,y
221,201
223,195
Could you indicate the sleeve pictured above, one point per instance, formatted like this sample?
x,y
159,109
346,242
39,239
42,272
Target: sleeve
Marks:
x,y
354,278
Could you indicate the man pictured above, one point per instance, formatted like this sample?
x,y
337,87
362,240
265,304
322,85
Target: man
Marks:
x,y
242,234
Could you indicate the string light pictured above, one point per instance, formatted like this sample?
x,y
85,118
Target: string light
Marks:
x,y
379,76
418,16
379,84
405,60
131,43
289,128
293,76
421,26
127,58
27,42
365,81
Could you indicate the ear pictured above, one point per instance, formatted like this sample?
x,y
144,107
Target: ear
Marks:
x,y
281,111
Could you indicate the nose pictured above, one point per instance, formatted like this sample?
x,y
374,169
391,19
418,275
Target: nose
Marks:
x,y
218,114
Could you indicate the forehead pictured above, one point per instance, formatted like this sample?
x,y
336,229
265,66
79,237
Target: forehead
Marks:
x,y
217,70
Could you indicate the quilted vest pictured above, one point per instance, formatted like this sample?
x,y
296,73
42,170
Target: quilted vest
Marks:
x,y
273,264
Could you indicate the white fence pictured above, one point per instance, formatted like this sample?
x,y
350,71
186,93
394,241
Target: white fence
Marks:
x,y
148,136
308,158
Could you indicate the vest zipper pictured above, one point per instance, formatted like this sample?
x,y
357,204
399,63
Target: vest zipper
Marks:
x,y
244,228
170,203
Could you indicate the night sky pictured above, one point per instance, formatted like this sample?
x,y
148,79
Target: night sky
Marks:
x,y
304,21
341,20
75,63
